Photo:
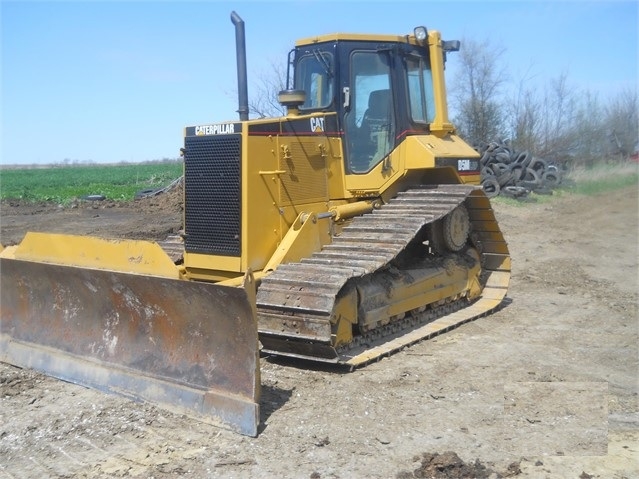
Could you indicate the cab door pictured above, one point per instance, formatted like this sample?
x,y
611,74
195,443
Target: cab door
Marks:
x,y
369,120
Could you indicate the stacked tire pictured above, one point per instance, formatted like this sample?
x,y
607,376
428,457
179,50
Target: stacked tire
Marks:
x,y
511,173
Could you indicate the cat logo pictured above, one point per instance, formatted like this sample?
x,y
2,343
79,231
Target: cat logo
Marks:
x,y
317,125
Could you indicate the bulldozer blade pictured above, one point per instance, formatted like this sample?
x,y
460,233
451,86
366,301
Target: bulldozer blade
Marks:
x,y
188,347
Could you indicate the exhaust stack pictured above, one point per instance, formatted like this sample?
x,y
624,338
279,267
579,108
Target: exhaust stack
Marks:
x,y
242,81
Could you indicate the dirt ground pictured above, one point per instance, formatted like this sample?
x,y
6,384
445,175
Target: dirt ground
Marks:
x,y
545,388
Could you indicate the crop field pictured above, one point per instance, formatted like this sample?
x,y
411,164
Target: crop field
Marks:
x,y
63,184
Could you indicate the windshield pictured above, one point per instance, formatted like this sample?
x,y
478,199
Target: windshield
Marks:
x,y
313,74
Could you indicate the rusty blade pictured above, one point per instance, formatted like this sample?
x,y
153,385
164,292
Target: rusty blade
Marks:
x,y
186,346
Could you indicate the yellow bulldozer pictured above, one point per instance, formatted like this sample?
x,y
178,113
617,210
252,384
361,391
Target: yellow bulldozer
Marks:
x,y
347,229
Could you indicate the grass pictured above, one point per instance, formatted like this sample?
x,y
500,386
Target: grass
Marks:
x,y
603,177
65,183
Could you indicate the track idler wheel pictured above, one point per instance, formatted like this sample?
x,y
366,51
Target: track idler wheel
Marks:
x,y
456,228
451,232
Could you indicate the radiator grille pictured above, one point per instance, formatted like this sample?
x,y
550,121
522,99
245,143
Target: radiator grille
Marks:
x,y
212,194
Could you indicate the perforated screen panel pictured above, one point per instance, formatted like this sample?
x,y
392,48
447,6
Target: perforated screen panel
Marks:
x,y
212,196
304,179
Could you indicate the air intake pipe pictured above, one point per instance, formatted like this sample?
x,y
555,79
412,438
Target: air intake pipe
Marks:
x,y
242,81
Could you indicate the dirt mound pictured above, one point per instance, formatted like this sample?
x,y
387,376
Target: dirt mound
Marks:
x,y
447,466
152,217
167,201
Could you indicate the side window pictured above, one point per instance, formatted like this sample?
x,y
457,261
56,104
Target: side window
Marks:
x,y
313,74
370,125
420,91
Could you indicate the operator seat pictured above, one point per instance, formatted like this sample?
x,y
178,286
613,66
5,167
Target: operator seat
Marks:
x,y
377,114
371,142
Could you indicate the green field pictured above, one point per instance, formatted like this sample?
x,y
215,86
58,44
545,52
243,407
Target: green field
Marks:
x,y
65,183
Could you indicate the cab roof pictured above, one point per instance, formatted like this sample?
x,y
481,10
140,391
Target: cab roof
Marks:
x,y
359,37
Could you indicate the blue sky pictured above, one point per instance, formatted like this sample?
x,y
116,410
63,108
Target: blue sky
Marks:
x,y
117,81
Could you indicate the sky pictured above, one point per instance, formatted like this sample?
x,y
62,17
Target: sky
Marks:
x,y
114,81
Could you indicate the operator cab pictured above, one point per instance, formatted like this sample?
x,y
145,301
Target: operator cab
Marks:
x,y
381,88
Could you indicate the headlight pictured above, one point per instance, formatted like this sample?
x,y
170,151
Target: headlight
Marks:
x,y
420,34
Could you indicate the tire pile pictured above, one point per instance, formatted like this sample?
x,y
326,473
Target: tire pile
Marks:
x,y
514,174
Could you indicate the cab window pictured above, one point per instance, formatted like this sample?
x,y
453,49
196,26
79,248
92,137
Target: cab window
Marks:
x,y
420,90
313,74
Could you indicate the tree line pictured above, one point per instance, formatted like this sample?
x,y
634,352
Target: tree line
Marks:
x,y
555,121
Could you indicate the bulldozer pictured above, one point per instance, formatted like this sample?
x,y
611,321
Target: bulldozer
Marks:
x,y
349,228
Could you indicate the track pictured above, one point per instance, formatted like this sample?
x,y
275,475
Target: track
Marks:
x,y
296,302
